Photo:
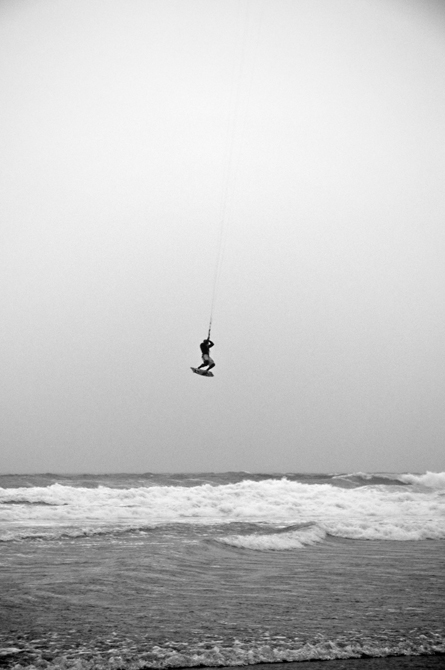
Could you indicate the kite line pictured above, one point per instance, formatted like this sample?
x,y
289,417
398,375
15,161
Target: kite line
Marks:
x,y
232,129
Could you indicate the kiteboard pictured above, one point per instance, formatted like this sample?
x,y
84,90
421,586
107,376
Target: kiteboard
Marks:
x,y
203,373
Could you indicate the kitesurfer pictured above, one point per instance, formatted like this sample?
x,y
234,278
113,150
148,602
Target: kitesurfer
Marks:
x,y
205,347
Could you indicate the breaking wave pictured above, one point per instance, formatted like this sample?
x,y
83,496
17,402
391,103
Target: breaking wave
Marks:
x,y
277,541
413,510
433,480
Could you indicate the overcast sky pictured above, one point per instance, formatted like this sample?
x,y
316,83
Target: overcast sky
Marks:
x,y
311,135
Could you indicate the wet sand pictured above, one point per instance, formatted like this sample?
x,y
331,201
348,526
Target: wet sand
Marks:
x,y
436,662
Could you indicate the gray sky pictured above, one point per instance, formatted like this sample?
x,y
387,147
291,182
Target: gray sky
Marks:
x,y
311,134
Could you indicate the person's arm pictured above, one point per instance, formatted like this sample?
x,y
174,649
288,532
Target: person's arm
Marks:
x,y
210,343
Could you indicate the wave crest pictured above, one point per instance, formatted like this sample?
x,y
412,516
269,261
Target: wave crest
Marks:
x,y
377,511
277,541
432,480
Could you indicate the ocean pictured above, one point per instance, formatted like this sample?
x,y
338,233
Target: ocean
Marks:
x,y
222,570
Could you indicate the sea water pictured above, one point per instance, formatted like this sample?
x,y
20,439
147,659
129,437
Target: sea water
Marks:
x,y
154,571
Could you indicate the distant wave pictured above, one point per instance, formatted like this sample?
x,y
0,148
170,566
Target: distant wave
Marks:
x,y
193,480
367,479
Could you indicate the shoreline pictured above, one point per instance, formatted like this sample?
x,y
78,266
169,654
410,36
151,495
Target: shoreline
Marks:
x,y
423,662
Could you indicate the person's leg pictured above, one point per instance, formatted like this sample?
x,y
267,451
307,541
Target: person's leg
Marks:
x,y
205,362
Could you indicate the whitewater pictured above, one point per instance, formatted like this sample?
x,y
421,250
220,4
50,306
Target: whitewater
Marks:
x,y
407,507
220,569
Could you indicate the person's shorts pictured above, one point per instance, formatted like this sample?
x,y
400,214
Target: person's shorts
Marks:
x,y
206,358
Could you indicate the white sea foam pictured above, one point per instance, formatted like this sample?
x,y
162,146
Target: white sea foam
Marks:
x,y
278,649
365,512
433,480
294,539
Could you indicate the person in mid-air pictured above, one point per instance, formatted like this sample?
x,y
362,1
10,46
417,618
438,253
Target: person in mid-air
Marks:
x,y
205,347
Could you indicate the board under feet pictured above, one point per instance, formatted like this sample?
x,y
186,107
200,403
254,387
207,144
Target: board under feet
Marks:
x,y
203,373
